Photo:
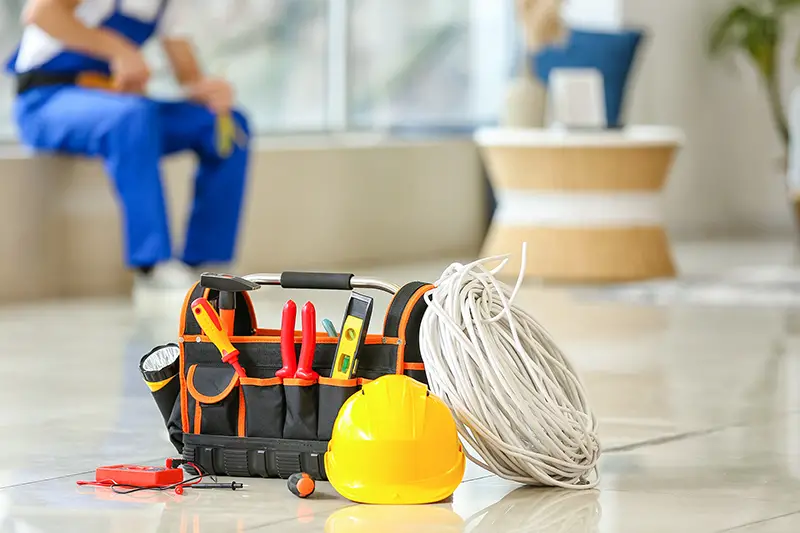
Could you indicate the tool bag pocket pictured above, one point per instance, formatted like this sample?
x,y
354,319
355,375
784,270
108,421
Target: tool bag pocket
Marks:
x,y
265,406
160,368
332,395
215,399
302,398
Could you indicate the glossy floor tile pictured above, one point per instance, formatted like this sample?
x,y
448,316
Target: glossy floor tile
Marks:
x,y
699,410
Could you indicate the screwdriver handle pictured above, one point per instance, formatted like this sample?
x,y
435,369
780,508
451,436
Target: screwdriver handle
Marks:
x,y
212,326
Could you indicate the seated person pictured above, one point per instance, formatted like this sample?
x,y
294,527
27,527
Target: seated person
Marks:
x,y
81,81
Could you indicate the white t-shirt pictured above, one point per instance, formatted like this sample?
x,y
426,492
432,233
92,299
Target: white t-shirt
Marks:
x,y
38,47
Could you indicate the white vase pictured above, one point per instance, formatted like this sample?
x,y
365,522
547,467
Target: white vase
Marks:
x,y
525,102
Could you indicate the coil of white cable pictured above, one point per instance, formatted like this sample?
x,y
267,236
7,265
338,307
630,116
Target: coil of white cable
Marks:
x,y
516,399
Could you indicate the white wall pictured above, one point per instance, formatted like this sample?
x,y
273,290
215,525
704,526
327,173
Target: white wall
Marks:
x,y
593,13
728,178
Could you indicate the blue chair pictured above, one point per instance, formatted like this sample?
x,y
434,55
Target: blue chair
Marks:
x,y
611,53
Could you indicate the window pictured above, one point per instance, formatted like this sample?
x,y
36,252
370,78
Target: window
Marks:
x,y
440,63
10,11
332,65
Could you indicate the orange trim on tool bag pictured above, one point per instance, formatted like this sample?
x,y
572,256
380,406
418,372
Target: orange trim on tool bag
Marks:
x,y
363,381
242,411
198,418
298,382
266,332
185,309
338,382
200,397
260,382
184,394
414,366
401,330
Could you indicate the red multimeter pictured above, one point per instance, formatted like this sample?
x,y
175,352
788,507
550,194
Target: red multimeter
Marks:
x,y
139,476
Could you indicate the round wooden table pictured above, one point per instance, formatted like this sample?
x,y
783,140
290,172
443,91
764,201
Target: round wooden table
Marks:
x,y
588,204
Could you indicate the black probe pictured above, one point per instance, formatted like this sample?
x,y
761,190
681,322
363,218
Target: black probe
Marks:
x,y
233,485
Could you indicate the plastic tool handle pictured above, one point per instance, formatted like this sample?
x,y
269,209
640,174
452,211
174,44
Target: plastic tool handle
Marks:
x,y
292,282
212,326
288,356
330,329
228,317
304,370
301,485
316,280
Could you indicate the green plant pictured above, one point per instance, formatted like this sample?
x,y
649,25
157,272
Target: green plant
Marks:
x,y
756,27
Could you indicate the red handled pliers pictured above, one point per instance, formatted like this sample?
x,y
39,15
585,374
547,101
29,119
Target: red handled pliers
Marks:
x,y
291,368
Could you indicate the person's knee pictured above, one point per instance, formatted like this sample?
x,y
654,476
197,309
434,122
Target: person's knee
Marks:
x,y
136,121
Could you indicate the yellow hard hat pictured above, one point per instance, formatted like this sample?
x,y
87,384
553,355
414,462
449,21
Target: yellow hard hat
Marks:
x,y
394,443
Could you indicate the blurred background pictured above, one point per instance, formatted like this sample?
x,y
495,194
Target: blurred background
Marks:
x,y
370,112
319,66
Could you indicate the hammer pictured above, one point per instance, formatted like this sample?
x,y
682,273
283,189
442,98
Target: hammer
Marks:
x,y
228,286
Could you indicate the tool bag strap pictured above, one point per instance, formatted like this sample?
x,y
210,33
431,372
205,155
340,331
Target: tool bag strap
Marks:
x,y
244,324
403,320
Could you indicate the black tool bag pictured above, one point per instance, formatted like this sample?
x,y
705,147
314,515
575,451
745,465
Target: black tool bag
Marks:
x,y
261,425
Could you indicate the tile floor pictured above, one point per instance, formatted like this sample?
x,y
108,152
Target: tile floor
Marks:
x,y
699,412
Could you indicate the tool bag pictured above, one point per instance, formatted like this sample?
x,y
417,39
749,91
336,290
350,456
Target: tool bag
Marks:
x,y
261,425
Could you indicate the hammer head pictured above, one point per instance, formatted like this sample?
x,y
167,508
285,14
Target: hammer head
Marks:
x,y
226,283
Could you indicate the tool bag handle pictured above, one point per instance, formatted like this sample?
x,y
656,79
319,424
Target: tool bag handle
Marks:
x,y
322,281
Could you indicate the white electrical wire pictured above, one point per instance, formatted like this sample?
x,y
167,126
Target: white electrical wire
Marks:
x,y
515,397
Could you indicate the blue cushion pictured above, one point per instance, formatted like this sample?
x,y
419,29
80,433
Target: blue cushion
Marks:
x,y
610,53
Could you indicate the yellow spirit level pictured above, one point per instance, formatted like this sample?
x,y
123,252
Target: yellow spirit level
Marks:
x,y
352,336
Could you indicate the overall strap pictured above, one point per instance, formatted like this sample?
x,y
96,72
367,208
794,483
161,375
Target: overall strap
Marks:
x,y
161,8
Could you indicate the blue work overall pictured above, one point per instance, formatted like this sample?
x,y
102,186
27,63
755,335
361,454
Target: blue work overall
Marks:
x,y
131,133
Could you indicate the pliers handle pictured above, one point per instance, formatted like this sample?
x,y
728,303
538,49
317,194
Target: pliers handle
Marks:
x,y
290,368
288,356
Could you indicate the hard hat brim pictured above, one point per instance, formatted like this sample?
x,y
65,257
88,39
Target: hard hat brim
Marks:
x,y
412,492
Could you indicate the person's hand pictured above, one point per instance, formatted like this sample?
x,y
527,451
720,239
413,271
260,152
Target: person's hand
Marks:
x,y
215,93
129,70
